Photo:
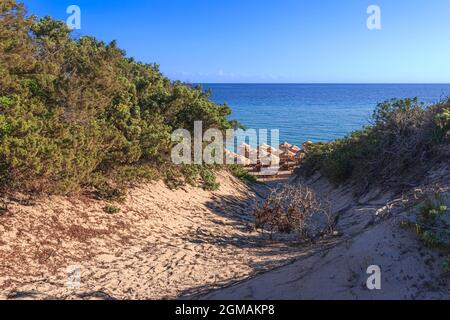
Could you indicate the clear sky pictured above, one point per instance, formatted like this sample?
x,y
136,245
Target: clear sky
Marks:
x,y
302,41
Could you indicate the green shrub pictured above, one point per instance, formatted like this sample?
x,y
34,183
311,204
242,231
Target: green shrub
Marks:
x,y
77,111
401,139
202,176
432,240
209,179
239,172
111,209
388,112
447,265
428,226
433,208
106,189
337,160
442,120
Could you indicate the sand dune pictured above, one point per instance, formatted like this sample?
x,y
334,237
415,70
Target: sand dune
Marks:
x,y
370,234
195,244
162,244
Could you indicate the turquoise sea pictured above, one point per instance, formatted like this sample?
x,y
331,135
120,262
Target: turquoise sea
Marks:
x,y
317,112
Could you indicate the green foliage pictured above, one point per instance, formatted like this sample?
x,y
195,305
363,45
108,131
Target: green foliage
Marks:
x,y
111,209
429,226
337,160
387,111
432,240
77,112
200,175
209,179
442,120
106,189
239,172
429,237
403,134
196,175
433,208
447,265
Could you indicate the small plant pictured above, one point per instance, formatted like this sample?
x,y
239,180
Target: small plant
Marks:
x,y
3,206
432,240
427,226
416,227
110,209
447,265
442,121
432,208
173,178
209,179
242,174
108,192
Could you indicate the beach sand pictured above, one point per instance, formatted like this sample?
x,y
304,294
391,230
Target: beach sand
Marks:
x,y
370,234
162,244
195,244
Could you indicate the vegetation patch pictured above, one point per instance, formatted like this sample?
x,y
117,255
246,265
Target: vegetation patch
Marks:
x,y
447,265
78,112
430,224
110,209
402,142
239,172
432,209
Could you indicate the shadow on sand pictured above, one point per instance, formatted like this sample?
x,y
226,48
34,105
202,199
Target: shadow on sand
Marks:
x,y
278,252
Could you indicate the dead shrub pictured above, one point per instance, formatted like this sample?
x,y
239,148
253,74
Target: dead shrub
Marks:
x,y
294,208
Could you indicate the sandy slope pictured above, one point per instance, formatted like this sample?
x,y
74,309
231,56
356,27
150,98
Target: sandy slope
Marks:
x,y
191,243
162,244
370,235
409,271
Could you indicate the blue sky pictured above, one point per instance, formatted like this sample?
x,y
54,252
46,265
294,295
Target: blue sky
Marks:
x,y
271,41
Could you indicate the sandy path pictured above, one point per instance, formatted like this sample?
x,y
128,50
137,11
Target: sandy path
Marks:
x,y
162,244
409,270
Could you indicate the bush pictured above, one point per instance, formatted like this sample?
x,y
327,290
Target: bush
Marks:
x,y
432,240
209,179
239,172
432,208
74,109
402,140
106,189
430,225
111,209
442,120
447,265
294,208
196,175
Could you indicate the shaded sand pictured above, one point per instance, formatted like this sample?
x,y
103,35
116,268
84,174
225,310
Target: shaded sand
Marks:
x,y
162,244
370,234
